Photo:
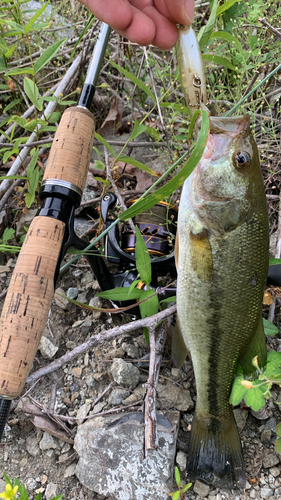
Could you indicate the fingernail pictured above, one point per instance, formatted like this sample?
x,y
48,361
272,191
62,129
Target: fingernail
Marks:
x,y
189,11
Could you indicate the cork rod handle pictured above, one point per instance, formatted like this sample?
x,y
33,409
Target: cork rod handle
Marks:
x,y
31,289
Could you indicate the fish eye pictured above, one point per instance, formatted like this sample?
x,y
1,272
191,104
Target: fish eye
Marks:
x,y
241,160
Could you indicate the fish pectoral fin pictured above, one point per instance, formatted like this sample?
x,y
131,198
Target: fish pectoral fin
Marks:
x,y
201,255
179,349
256,347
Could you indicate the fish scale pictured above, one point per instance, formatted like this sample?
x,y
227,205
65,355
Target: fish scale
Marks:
x,y
222,262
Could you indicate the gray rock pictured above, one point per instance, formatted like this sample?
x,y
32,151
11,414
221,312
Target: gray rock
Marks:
x,y
117,396
266,436
181,460
131,350
32,446
82,297
173,396
96,302
266,492
137,395
277,493
274,471
240,418
83,412
111,460
2,485
47,348
269,460
72,293
51,491
201,489
271,425
31,484
47,442
70,470
60,301
125,374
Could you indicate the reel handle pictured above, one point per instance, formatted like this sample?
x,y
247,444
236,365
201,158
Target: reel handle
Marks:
x,y
31,290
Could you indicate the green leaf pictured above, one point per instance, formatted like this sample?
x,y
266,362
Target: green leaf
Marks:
x,y
254,398
186,487
12,24
58,497
54,117
269,328
142,258
32,163
222,61
176,495
38,497
20,71
178,179
105,143
279,430
83,32
177,476
153,133
169,300
120,294
8,234
11,105
35,17
206,31
150,306
103,181
238,391
31,90
132,286
135,80
47,55
224,35
18,119
139,128
12,177
138,164
225,6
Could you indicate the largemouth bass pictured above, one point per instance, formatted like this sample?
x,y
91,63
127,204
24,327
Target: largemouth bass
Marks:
x,y
222,262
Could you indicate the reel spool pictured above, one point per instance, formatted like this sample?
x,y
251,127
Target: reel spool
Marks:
x,y
158,228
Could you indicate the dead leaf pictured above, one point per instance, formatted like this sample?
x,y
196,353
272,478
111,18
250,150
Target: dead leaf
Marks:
x,y
267,299
48,426
11,84
113,119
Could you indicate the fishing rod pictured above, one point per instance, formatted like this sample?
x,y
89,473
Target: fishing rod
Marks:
x,y
51,233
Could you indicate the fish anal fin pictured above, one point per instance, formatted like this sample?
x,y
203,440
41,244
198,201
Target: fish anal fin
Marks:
x,y
179,349
215,453
201,255
256,347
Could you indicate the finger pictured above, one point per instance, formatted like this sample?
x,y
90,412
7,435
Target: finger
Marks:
x,y
179,11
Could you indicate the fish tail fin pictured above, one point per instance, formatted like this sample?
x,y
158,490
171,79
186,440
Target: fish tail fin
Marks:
x,y
215,453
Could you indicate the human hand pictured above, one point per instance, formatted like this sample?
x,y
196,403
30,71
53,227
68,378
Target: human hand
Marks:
x,y
144,21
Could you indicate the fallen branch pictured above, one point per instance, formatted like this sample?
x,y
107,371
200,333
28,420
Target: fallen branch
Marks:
x,y
103,336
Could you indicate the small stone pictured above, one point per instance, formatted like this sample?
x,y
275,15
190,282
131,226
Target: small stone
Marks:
x,y
96,302
266,436
47,348
274,471
99,407
47,442
72,293
277,493
83,412
90,381
252,494
25,221
240,416
31,484
82,297
175,397
176,373
77,371
116,353
201,489
51,491
32,446
181,460
266,492
131,350
2,485
117,396
70,470
125,374
60,299
269,460
137,395
86,359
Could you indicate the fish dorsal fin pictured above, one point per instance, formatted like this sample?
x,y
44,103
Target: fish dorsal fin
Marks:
x,y
179,349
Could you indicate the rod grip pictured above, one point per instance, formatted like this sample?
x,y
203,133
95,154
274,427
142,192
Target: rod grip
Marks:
x,y
71,150
28,302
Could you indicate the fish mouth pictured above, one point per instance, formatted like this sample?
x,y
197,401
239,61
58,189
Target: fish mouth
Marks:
x,y
229,125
